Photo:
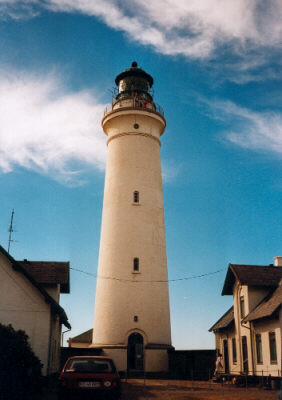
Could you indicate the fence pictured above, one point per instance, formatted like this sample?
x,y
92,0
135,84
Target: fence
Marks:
x,y
206,380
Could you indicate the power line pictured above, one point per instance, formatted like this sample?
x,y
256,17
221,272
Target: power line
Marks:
x,y
157,281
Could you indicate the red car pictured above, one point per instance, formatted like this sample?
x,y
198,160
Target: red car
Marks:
x,y
89,375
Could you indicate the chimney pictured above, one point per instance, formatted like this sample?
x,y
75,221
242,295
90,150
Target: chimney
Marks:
x,y
277,261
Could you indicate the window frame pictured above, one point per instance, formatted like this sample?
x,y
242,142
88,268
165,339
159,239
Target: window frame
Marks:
x,y
259,355
273,360
136,197
242,307
234,350
136,264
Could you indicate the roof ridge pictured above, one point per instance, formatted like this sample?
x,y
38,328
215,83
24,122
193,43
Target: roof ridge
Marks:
x,y
43,261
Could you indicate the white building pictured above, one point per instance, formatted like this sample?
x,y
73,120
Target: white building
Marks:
x,y
248,335
132,318
29,300
83,340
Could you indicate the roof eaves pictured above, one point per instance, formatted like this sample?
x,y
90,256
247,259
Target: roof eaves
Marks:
x,y
226,290
246,318
227,312
35,268
234,272
65,288
252,316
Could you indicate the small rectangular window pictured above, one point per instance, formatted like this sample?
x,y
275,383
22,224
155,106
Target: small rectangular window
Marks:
x,y
242,307
135,318
272,347
136,264
135,196
234,351
259,348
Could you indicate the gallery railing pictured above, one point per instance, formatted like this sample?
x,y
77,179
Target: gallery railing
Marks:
x,y
130,102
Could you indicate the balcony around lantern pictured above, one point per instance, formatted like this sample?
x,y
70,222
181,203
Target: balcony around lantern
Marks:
x,y
134,102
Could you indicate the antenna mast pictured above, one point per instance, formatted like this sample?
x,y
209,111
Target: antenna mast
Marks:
x,y
11,230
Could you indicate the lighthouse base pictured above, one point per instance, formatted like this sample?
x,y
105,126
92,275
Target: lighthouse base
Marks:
x,y
154,358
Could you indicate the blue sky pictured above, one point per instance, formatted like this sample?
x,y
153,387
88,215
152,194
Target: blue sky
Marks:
x,y
217,72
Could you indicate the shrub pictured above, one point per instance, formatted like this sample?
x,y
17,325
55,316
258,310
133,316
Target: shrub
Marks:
x,y
20,369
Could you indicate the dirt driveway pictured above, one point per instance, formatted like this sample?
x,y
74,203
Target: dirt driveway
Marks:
x,y
134,389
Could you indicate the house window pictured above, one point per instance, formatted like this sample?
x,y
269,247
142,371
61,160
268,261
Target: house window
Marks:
x,y
259,348
135,264
272,347
135,196
234,351
242,307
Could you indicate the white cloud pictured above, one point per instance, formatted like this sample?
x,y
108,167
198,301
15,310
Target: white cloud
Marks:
x,y
170,170
194,28
18,9
47,129
44,127
257,131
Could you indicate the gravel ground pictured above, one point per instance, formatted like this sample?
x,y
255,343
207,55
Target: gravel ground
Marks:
x,y
137,389
183,390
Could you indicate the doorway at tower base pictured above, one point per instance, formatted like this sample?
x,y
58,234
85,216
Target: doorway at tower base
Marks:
x,y
154,359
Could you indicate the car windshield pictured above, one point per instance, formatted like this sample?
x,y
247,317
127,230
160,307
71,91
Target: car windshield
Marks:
x,y
90,365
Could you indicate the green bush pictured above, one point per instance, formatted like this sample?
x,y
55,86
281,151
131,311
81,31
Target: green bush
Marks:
x,y
20,369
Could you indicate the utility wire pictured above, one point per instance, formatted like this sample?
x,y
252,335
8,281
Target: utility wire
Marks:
x,y
131,280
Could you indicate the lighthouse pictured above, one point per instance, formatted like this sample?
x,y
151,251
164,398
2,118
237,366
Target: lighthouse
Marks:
x,y
132,317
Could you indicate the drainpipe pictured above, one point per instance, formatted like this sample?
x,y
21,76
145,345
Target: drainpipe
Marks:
x,y
62,344
50,343
239,327
251,338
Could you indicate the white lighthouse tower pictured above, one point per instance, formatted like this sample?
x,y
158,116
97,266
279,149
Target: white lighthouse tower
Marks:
x,y
132,319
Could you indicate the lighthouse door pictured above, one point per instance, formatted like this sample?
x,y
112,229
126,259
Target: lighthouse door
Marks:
x,y
135,352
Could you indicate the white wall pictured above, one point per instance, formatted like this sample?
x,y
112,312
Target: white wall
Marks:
x,y
53,291
229,334
155,360
263,327
81,345
23,306
55,346
252,297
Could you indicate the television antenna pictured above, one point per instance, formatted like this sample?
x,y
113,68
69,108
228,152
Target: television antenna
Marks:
x,y
11,230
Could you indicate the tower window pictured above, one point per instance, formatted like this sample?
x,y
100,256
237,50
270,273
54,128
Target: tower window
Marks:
x,y
136,196
135,264
135,318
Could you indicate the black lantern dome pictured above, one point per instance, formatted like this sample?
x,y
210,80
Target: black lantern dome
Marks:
x,y
134,82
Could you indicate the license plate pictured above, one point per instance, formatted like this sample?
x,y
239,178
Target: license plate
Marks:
x,y
89,384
